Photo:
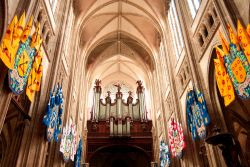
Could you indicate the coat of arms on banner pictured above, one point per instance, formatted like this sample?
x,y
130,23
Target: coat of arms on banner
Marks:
x,y
26,52
78,155
164,155
176,138
68,144
197,114
53,117
23,63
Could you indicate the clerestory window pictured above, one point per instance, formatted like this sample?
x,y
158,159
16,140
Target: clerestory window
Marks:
x,y
194,6
175,29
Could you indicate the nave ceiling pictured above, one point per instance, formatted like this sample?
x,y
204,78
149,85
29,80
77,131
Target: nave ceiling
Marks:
x,y
120,37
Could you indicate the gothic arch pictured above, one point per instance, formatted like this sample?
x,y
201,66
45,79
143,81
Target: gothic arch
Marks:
x,y
123,152
213,92
150,13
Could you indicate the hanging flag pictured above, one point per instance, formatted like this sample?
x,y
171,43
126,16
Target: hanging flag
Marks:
x,y
244,39
78,155
18,77
37,68
203,106
222,78
164,155
39,73
65,146
176,138
197,114
15,35
237,67
35,76
24,59
18,31
248,29
233,37
51,116
225,46
181,136
60,103
27,30
74,143
46,118
6,51
29,91
68,144
36,38
52,119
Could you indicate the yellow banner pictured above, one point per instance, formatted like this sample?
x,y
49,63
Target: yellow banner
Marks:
x,y
18,31
35,76
238,70
27,30
225,44
244,39
224,83
23,63
29,92
248,29
36,38
232,35
7,53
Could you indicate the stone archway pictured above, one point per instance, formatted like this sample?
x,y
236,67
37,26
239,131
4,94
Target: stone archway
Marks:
x,y
120,156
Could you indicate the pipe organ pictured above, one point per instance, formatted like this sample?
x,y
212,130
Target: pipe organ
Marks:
x,y
120,114
118,122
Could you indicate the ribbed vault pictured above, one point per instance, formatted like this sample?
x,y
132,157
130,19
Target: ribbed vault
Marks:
x,y
120,38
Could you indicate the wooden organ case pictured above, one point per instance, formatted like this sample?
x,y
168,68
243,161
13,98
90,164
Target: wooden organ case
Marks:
x,y
119,123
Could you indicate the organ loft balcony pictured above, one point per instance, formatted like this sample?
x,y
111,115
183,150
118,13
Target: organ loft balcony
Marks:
x,y
118,124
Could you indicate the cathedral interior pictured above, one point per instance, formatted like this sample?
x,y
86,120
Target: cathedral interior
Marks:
x,y
124,83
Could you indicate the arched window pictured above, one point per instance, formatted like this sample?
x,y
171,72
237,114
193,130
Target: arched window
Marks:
x,y
194,6
175,29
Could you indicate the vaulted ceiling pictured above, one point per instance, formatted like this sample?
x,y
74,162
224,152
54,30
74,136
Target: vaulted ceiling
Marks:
x,y
120,36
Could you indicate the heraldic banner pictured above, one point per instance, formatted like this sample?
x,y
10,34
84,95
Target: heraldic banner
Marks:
x,y
53,117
